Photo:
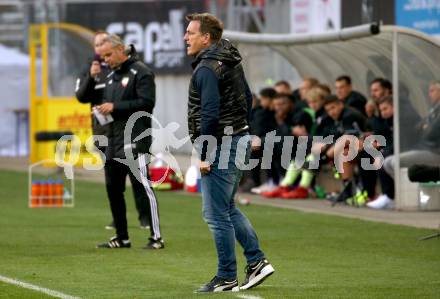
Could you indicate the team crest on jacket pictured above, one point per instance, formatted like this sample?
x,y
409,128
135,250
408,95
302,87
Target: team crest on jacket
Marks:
x,y
124,81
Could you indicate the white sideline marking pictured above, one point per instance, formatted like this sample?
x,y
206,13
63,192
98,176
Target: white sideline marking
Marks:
x,y
248,296
26,285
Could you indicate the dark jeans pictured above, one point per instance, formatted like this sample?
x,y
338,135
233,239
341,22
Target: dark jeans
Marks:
x,y
226,222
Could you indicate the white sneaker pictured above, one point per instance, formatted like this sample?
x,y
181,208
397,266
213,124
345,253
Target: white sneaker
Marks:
x,y
268,186
382,202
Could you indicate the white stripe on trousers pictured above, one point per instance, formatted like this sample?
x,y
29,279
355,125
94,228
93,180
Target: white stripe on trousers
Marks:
x,y
151,197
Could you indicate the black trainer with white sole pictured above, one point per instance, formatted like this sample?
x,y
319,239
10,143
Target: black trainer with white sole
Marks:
x,y
256,273
218,284
115,242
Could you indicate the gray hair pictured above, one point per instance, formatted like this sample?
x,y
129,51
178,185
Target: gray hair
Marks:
x,y
114,40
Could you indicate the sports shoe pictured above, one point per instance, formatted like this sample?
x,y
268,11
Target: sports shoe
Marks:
x,y
154,244
246,186
297,193
359,199
110,226
218,284
275,193
144,223
382,202
268,186
256,273
115,242
343,196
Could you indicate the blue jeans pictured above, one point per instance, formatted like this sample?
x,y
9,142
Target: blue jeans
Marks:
x,y
224,219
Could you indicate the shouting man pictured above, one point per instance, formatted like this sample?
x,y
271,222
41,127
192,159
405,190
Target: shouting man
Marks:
x,y
219,107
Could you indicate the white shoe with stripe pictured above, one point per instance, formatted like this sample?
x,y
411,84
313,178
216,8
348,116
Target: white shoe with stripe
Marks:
x,y
256,273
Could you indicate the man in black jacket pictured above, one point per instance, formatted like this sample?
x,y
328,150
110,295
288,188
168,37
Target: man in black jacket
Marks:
x,y
427,150
262,122
129,89
341,120
219,108
383,125
91,82
351,98
90,89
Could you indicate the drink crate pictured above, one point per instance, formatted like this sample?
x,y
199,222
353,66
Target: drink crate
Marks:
x,y
50,187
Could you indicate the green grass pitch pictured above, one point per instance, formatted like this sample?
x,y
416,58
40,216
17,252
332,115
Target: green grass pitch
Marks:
x,y
315,256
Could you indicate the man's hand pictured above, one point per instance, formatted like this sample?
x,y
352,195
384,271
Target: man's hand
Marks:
x,y
317,147
95,69
205,167
370,109
255,143
105,108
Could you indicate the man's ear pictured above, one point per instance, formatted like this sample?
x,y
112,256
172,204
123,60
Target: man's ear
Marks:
x,y
207,38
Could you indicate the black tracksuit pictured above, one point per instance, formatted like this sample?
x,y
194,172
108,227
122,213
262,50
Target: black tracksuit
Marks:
x,y
262,122
350,122
357,101
131,89
91,90
383,127
300,118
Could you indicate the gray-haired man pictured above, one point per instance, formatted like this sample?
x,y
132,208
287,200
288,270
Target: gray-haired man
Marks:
x,y
129,89
90,89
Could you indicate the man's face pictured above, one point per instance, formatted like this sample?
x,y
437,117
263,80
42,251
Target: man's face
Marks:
x,y
304,88
195,40
281,106
434,93
343,89
98,41
265,102
314,104
386,110
377,91
113,56
334,109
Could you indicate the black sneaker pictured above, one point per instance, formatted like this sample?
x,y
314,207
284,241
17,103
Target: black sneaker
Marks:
x,y
144,223
218,284
110,226
115,242
154,244
256,273
346,193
